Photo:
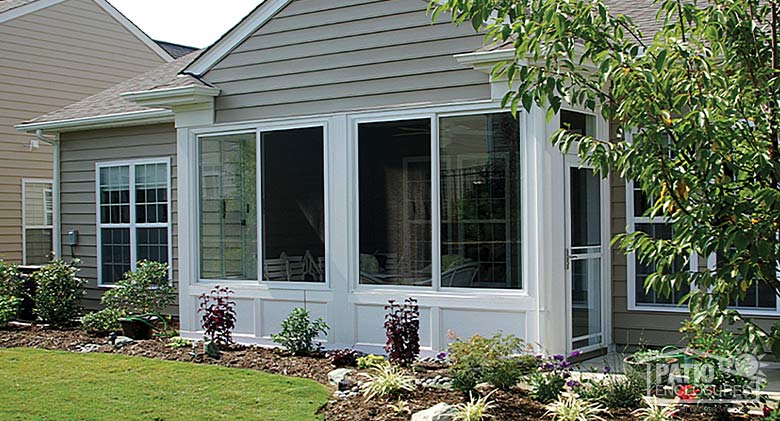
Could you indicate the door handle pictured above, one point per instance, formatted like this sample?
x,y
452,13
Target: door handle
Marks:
x,y
566,258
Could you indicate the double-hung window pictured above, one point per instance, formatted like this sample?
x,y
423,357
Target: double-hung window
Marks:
x,y
38,221
133,216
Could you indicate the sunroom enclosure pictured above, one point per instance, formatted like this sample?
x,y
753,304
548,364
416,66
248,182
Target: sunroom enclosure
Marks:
x,y
464,207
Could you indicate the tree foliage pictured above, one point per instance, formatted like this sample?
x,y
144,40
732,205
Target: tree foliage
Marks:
x,y
699,98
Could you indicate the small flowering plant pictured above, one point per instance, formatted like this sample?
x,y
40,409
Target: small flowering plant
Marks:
x,y
553,376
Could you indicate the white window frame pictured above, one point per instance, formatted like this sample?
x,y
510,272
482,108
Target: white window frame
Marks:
x,y
26,181
133,225
258,130
434,117
712,264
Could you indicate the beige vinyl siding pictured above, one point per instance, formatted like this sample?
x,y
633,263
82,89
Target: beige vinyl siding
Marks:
x,y
347,55
80,152
49,59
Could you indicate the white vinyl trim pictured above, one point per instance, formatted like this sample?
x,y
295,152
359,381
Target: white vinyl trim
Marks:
x,y
132,225
151,116
27,9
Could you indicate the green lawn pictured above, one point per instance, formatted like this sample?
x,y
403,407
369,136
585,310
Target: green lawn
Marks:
x,y
49,385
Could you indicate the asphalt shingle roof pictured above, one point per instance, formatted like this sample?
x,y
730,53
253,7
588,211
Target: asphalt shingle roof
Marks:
x,y
110,102
6,5
175,50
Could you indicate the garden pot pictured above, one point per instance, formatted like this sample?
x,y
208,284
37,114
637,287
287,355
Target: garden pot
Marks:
x,y
138,327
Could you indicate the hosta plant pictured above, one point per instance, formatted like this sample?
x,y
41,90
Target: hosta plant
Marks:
x,y
402,326
218,316
387,380
570,407
299,332
370,361
476,409
58,291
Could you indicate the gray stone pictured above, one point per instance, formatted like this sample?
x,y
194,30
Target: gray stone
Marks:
x,y
347,384
439,412
336,376
89,348
121,341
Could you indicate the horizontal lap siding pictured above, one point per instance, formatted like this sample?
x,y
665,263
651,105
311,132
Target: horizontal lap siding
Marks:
x,y
80,152
49,59
347,55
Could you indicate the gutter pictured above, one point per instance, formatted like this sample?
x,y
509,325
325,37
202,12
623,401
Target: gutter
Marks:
x,y
55,193
132,118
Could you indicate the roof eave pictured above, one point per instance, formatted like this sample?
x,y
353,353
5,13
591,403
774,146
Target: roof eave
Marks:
x,y
133,118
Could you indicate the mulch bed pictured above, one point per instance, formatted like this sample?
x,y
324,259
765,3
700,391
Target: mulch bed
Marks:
x,y
509,406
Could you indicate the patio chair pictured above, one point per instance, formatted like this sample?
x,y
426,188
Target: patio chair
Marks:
x,y
276,269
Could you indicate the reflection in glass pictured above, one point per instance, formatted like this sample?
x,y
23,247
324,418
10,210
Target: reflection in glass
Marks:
x,y
394,160
480,201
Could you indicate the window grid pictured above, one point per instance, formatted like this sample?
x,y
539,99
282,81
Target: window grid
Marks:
x,y
120,185
38,221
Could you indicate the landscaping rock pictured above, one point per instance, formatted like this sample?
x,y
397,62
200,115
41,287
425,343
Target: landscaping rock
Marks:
x,y
439,412
336,376
347,384
121,341
88,348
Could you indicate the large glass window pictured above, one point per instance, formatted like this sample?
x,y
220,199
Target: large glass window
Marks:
x,y
394,160
133,222
228,207
293,205
38,224
480,201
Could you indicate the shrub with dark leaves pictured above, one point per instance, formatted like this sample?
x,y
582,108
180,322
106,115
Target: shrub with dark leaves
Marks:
x,y
218,315
402,326
344,357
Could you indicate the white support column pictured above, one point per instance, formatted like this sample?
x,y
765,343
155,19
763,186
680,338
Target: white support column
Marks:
x,y
339,199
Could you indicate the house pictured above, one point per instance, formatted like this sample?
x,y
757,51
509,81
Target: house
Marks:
x,y
53,53
336,155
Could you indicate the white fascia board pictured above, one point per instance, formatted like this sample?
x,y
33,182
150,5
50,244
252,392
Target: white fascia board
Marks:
x,y
135,30
482,57
27,9
133,118
170,97
217,51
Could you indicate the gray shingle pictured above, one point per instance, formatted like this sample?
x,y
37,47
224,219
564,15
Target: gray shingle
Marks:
x,y
110,102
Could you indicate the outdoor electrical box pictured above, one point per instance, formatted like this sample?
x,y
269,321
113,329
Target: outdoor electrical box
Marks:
x,y
73,237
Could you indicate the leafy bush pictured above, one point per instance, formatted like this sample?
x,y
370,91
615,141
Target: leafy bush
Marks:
x,y
344,357
493,360
570,407
58,291
102,322
145,291
616,392
11,282
546,387
402,326
387,380
370,361
474,409
299,331
218,315
179,343
9,306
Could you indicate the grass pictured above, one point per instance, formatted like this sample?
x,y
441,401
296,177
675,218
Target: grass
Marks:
x,y
51,385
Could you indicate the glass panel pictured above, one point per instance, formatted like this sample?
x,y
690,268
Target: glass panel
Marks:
x,y
293,205
480,201
394,161
585,208
114,253
577,122
586,302
643,270
151,193
38,246
228,207
758,296
37,204
152,244
115,195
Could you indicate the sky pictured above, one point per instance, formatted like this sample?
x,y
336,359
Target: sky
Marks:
x,y
196,23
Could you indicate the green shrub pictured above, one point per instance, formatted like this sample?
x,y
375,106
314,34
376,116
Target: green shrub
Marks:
x,y
11,282
102,322
546,387
178,343
58,291
299,331
493,360
145,291
370,361
9,307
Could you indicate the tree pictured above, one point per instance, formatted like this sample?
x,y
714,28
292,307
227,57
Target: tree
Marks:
x,y
700,99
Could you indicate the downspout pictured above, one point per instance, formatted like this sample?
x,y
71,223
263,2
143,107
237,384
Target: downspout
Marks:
x,y
56,234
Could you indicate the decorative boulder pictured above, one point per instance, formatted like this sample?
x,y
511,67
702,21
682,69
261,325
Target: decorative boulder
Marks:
x,y
336,376
439,412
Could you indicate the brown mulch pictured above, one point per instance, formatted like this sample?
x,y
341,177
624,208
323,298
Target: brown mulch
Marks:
x,y
509,406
